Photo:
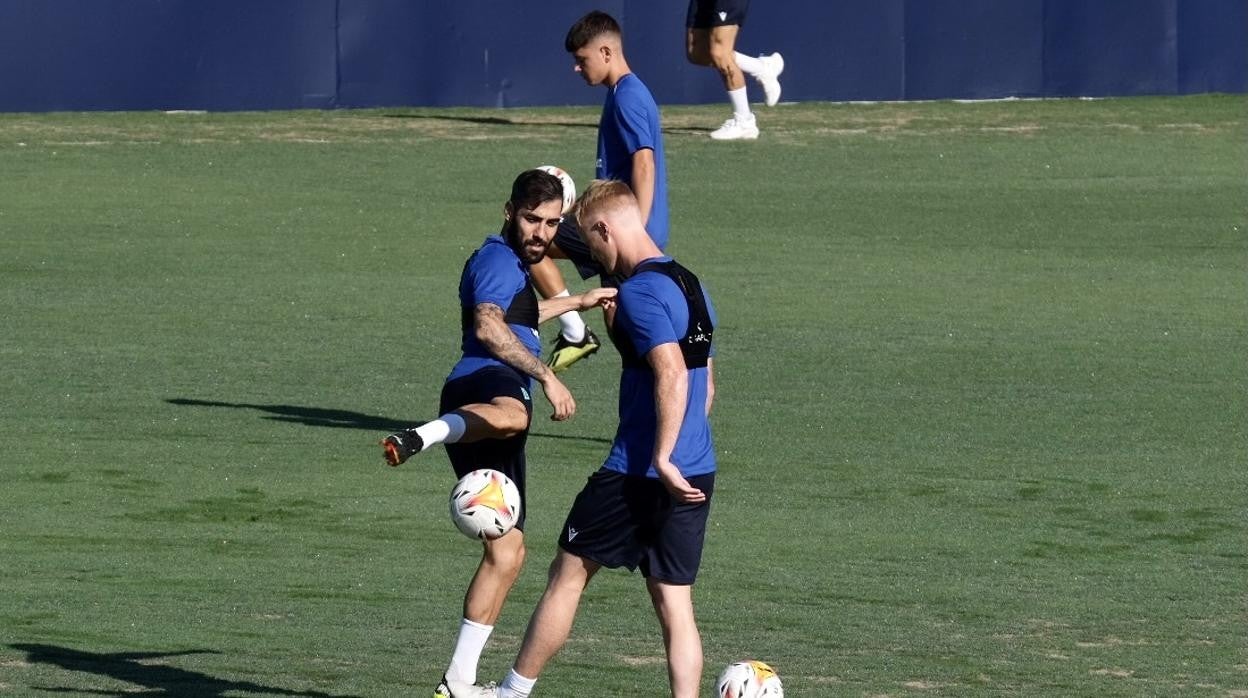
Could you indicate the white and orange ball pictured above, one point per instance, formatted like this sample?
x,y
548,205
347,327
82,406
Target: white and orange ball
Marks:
x,y
485,504
749,679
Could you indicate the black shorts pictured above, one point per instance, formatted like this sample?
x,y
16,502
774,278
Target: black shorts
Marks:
x,y
504,455
628,521
568,237
705,14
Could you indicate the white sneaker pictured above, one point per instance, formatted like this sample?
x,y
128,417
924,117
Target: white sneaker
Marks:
x,y
737,128
773,65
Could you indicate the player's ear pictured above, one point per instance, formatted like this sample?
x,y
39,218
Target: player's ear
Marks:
x,y
507,211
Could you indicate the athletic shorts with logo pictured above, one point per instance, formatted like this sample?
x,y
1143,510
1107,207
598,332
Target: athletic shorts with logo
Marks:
x,y
632,521
504,455
705,14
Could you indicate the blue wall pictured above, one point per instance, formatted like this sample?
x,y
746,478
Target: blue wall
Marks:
x,y
280,54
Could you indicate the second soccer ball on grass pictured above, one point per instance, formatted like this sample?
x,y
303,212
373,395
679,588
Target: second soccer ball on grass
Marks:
x,y
749,679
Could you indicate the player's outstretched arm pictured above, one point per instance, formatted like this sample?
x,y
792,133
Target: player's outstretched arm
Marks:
x,y
491,329
554,307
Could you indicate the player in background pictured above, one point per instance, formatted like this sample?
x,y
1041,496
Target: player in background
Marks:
x,y
647,506
630,149
711,40
486,405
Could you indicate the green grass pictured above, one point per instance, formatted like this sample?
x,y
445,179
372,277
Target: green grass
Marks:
x,y
982,408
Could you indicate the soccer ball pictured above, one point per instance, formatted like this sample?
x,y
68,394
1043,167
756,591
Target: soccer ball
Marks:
x,y
569,187
485,504
749,679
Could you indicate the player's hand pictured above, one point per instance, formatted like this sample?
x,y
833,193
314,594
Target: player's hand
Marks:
x,y
560,398
677,485
598,296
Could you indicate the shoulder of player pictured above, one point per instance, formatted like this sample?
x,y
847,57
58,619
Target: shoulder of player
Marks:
x,y
646,286
495,252
634,96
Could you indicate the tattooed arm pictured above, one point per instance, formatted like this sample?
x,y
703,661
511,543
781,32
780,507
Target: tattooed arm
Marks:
x,y
492,330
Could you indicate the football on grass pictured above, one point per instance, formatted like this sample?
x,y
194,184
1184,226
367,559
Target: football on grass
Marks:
x,y
749,679
569,187
485,504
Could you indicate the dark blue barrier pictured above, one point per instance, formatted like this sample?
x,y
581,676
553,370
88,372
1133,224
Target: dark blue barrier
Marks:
x,y
149,54
1212,53
280,54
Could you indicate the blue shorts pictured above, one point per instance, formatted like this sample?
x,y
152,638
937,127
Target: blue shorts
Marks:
x,y
705,14
630,521
504,455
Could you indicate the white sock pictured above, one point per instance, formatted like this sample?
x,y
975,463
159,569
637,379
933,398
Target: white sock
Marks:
x,y
448,428
468,647
740,103
571,326
515,686
748,64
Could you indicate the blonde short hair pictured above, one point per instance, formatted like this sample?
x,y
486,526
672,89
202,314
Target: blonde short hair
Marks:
x,y
603,194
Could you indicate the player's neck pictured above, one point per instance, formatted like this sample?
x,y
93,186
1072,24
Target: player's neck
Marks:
x,y
618,73
641,249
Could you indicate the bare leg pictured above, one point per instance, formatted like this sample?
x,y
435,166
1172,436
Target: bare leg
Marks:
x,y
552,619
500,418
547,278
723,56
674,606
500,565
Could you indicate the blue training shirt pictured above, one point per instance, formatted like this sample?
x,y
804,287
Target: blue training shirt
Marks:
x,y
630,122
493,274
651,311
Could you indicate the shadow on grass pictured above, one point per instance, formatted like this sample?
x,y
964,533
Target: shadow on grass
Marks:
x,y
340,419
143,669
502,121
494,120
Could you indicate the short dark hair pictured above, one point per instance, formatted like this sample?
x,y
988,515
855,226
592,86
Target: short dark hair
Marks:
x,y
534,188
590,27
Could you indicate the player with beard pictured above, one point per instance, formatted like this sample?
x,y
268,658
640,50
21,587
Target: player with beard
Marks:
x,y
486,404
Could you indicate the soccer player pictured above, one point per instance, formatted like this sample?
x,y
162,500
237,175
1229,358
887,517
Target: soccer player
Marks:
x,y
630,149
486,405
711,40
647,505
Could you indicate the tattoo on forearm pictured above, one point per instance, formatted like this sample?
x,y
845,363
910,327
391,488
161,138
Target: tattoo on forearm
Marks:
x,y
494,333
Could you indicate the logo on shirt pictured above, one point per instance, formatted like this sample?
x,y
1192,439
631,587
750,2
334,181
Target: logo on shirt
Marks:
x,y
525,393
723,16
572,533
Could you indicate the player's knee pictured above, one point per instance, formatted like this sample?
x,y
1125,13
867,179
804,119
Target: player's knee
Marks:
x,y
723,60
508,558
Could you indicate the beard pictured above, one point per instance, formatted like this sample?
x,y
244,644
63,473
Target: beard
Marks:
x,y
530,251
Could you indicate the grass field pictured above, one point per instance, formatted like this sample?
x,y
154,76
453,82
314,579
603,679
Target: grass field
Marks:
x,y
982,415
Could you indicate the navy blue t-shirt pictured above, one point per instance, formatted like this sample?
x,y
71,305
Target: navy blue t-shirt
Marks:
x,y
630,122
651,311
493,274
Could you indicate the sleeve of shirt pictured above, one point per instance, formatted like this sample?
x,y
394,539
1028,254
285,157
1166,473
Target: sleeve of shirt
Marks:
x,y
644,319
633,119
494,278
